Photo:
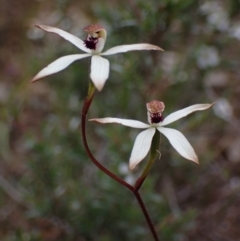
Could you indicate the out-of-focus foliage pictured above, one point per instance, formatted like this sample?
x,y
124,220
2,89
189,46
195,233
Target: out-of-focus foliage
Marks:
x,y
49,189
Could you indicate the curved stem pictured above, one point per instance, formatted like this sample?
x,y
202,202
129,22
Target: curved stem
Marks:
x,y
86,106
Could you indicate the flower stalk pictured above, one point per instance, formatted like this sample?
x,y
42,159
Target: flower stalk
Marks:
x,y
85,109
146,215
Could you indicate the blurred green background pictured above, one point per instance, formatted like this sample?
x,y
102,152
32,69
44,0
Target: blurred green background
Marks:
x,y
50,190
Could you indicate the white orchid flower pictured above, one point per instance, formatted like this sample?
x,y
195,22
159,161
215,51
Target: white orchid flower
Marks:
x,y
157,122
93,46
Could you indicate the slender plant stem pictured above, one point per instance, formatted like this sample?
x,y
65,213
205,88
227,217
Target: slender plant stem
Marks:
x,y
146,215
85,108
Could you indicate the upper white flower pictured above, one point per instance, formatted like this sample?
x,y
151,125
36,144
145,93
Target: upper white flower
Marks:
x,y
93,46
156,121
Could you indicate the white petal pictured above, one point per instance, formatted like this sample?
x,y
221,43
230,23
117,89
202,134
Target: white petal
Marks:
x,y
131,47
125,122
141,147
71,38
180,143
99,71
184,112
58,65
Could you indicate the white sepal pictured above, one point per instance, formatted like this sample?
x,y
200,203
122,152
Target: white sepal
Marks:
x,y
180,143
69,37
184,112
58,65
130,47
125,122
99,71
141,147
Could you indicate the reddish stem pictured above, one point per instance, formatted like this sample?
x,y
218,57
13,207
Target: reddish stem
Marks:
x,y
139,183
86,106
85,109
147,217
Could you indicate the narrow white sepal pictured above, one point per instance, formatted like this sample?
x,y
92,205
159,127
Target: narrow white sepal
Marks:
x,y
99,71
125,122
58,65
184,112
141,147
180,143
69,37
131,47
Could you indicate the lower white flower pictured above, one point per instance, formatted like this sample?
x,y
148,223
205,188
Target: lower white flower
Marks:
x,y
157,122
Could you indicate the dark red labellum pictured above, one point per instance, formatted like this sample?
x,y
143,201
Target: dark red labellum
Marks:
x,y
156,118
91,42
